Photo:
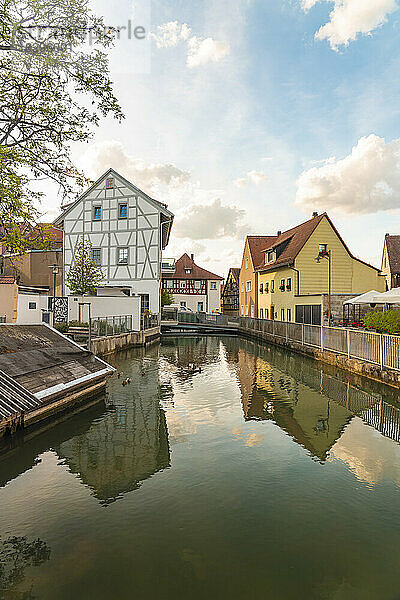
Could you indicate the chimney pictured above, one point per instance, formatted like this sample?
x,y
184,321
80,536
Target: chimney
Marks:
x,y
315,214
279,233
192,257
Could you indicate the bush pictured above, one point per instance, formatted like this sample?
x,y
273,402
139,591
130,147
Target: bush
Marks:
x,y
77,324
383,321
61,327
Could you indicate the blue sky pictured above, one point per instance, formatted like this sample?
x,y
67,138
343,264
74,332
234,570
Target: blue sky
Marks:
x,y
244,122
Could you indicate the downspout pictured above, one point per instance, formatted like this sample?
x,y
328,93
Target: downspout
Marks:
x,y
298,280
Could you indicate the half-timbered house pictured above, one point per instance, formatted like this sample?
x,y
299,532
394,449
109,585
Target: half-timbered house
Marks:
x,y
192,287
127,230
230,293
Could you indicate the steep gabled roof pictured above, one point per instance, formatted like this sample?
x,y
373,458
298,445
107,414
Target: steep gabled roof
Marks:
x,y
393,252
235,272
257,244
156,203
295,240
185,262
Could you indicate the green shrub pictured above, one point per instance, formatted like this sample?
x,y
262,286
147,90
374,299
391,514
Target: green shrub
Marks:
x,y
61,327
383,321
77,324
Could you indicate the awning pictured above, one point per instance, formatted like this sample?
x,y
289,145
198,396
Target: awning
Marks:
x,y
367,298
390,297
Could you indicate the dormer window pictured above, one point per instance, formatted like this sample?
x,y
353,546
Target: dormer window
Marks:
x,y
270,256
188,271
110,184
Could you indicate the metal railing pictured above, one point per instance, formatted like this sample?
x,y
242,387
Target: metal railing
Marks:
x,y
380,349
106,326
149,321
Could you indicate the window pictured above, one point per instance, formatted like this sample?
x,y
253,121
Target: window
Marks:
x,y
123,211
213,285
282,286
272,286
197,284
188,271
248,286
200,307
282,314
144,302
170,283
247,263
266,313
289,314
247,310
242,286
310,313
267,288
261,313
183,304
323,248
270,256
261,289
97,213
182,285
122,256
32,305
289,284
109,184
241,311
96,255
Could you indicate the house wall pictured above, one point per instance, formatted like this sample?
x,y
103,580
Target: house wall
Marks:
x,y
26,315
248,301
103,306
214,297
9,302
191,300
385,267
140,232
34,268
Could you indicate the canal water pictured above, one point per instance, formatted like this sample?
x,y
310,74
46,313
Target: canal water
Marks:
x,y
258,475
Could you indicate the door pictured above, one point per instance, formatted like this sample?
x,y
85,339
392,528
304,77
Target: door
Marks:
x,y
200,307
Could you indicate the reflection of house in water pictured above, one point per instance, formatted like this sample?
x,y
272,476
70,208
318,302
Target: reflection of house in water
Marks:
x,y
128,445
311,405
183,352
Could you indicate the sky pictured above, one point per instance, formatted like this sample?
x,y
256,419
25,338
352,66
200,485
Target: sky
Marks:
x,y
245,116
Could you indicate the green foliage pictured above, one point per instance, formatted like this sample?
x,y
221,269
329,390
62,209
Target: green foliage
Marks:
x,y
17,555
53,91
85,274
77,324
61,327
166,298
383,321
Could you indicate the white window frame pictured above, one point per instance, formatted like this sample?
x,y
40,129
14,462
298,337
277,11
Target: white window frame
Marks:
x,y
247,263
289,314
119,250
282,314
98,260
213,285
242,286
248,286
182,285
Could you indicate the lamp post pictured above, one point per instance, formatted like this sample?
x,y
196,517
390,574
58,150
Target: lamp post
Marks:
x,y
55,271
328,255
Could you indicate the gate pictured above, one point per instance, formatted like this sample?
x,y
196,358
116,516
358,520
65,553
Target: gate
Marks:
x,y
60,309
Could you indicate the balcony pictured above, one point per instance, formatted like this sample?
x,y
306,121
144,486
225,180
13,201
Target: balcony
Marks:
x,y
168,266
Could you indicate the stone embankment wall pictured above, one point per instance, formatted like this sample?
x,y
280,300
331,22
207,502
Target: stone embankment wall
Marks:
x,y
111,344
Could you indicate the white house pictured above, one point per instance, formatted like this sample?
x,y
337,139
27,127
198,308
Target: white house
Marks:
x,y
192,286
128,231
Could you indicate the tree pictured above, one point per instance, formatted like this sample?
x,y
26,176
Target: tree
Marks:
x,y
16,555
53,91
166,298
85,274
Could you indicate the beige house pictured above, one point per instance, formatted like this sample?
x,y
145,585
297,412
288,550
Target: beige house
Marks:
x,y
253,257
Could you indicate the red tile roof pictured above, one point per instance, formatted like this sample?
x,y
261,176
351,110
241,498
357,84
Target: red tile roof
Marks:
x,y
185,262
393,252
258,243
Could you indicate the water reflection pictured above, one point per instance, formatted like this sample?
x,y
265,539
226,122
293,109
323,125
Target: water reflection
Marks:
x,y
312,405
130,443
17,554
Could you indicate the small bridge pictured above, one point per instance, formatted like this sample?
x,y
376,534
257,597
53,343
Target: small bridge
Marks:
x,y
198,324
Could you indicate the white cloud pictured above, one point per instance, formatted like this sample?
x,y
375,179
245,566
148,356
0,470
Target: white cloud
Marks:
x,y
203,222
307,4
365,181
202,51
350,18
199,50
147,176
256,177
171,34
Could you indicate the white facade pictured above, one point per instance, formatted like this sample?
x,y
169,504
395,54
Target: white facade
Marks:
x,y
103,306
128,231
30,308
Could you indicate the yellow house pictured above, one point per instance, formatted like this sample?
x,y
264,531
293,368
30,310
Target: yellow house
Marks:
x,y
292,285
